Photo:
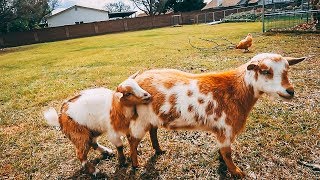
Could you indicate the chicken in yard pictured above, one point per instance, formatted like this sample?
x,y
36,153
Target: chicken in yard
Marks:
x,y
245,43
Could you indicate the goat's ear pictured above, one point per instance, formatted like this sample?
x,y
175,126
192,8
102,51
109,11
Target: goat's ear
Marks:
x,y
293,61
118,95
251,66
134,75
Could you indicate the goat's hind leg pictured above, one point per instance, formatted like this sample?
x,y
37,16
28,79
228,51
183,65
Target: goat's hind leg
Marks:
x,y
154,141
232,168
105,152
82,153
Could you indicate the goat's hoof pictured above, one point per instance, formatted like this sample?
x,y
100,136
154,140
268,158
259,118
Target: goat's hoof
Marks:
x,y
238,173
89,168
135,168
160,152
123,165
95,172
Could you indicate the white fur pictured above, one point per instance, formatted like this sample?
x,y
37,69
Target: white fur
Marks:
x,y
92,109
52,117
137,90
273,86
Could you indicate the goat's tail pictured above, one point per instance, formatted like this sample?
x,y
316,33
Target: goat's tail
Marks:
x,y
52,117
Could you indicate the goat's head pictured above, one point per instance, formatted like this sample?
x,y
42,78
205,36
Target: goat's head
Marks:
x,y
130,93
268,73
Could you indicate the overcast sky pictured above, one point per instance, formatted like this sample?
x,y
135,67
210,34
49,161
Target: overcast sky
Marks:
x,y
63,4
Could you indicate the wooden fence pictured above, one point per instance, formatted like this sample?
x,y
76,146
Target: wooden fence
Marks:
x,y
112,26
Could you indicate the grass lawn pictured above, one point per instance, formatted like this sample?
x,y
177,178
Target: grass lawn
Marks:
x,y
278,134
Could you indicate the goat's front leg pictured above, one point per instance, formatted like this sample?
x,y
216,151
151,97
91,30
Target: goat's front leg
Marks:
x,y
116,140
154,140
232,168
134,142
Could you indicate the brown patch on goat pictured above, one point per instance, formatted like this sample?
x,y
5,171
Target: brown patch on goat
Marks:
x,y
190,108
201,101
117,118
220,134
198,118
277,59
173,112
285,80
74,98
231,96
189,93
171,115
185,127
264,67
168,84
173,99
209,108
131,99
158,97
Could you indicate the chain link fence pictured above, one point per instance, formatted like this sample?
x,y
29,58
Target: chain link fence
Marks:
x,y
290,16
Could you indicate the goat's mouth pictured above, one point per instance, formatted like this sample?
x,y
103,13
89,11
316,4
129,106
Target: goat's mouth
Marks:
x,y
286,97
146,100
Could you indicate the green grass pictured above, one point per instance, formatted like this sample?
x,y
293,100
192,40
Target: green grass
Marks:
x,y
35,77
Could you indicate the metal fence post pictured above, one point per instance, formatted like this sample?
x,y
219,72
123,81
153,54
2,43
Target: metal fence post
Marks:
x,y
263,26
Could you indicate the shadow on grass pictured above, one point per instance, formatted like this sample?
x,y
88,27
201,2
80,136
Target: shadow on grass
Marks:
x,y
149,171
79,174
222,169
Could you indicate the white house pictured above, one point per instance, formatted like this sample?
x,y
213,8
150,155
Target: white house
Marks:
x,y
77,15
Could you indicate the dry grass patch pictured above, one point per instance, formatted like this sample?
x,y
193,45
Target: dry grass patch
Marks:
x,y
278,133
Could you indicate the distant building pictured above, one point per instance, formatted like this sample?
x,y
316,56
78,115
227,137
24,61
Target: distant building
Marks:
x,y
77,15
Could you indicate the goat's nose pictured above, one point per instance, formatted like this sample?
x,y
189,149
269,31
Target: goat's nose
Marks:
x,y
146,95
290,91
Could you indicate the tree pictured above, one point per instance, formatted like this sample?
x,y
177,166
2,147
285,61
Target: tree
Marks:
x,y
185,5
151,7
117,7
22,15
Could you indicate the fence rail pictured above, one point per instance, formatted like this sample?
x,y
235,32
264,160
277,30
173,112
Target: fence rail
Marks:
x,y
113,26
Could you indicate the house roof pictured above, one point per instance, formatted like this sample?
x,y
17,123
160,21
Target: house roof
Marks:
x,y
101,10
212,4
120,14
226,3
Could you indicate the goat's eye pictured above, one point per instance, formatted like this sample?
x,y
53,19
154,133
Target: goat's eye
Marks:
x,y
127,94
265,72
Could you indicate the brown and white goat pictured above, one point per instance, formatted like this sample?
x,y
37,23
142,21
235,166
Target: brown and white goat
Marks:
x,y
216,102
93,112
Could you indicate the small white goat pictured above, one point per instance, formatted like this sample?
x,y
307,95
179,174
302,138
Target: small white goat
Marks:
x,y
216,102
93,112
